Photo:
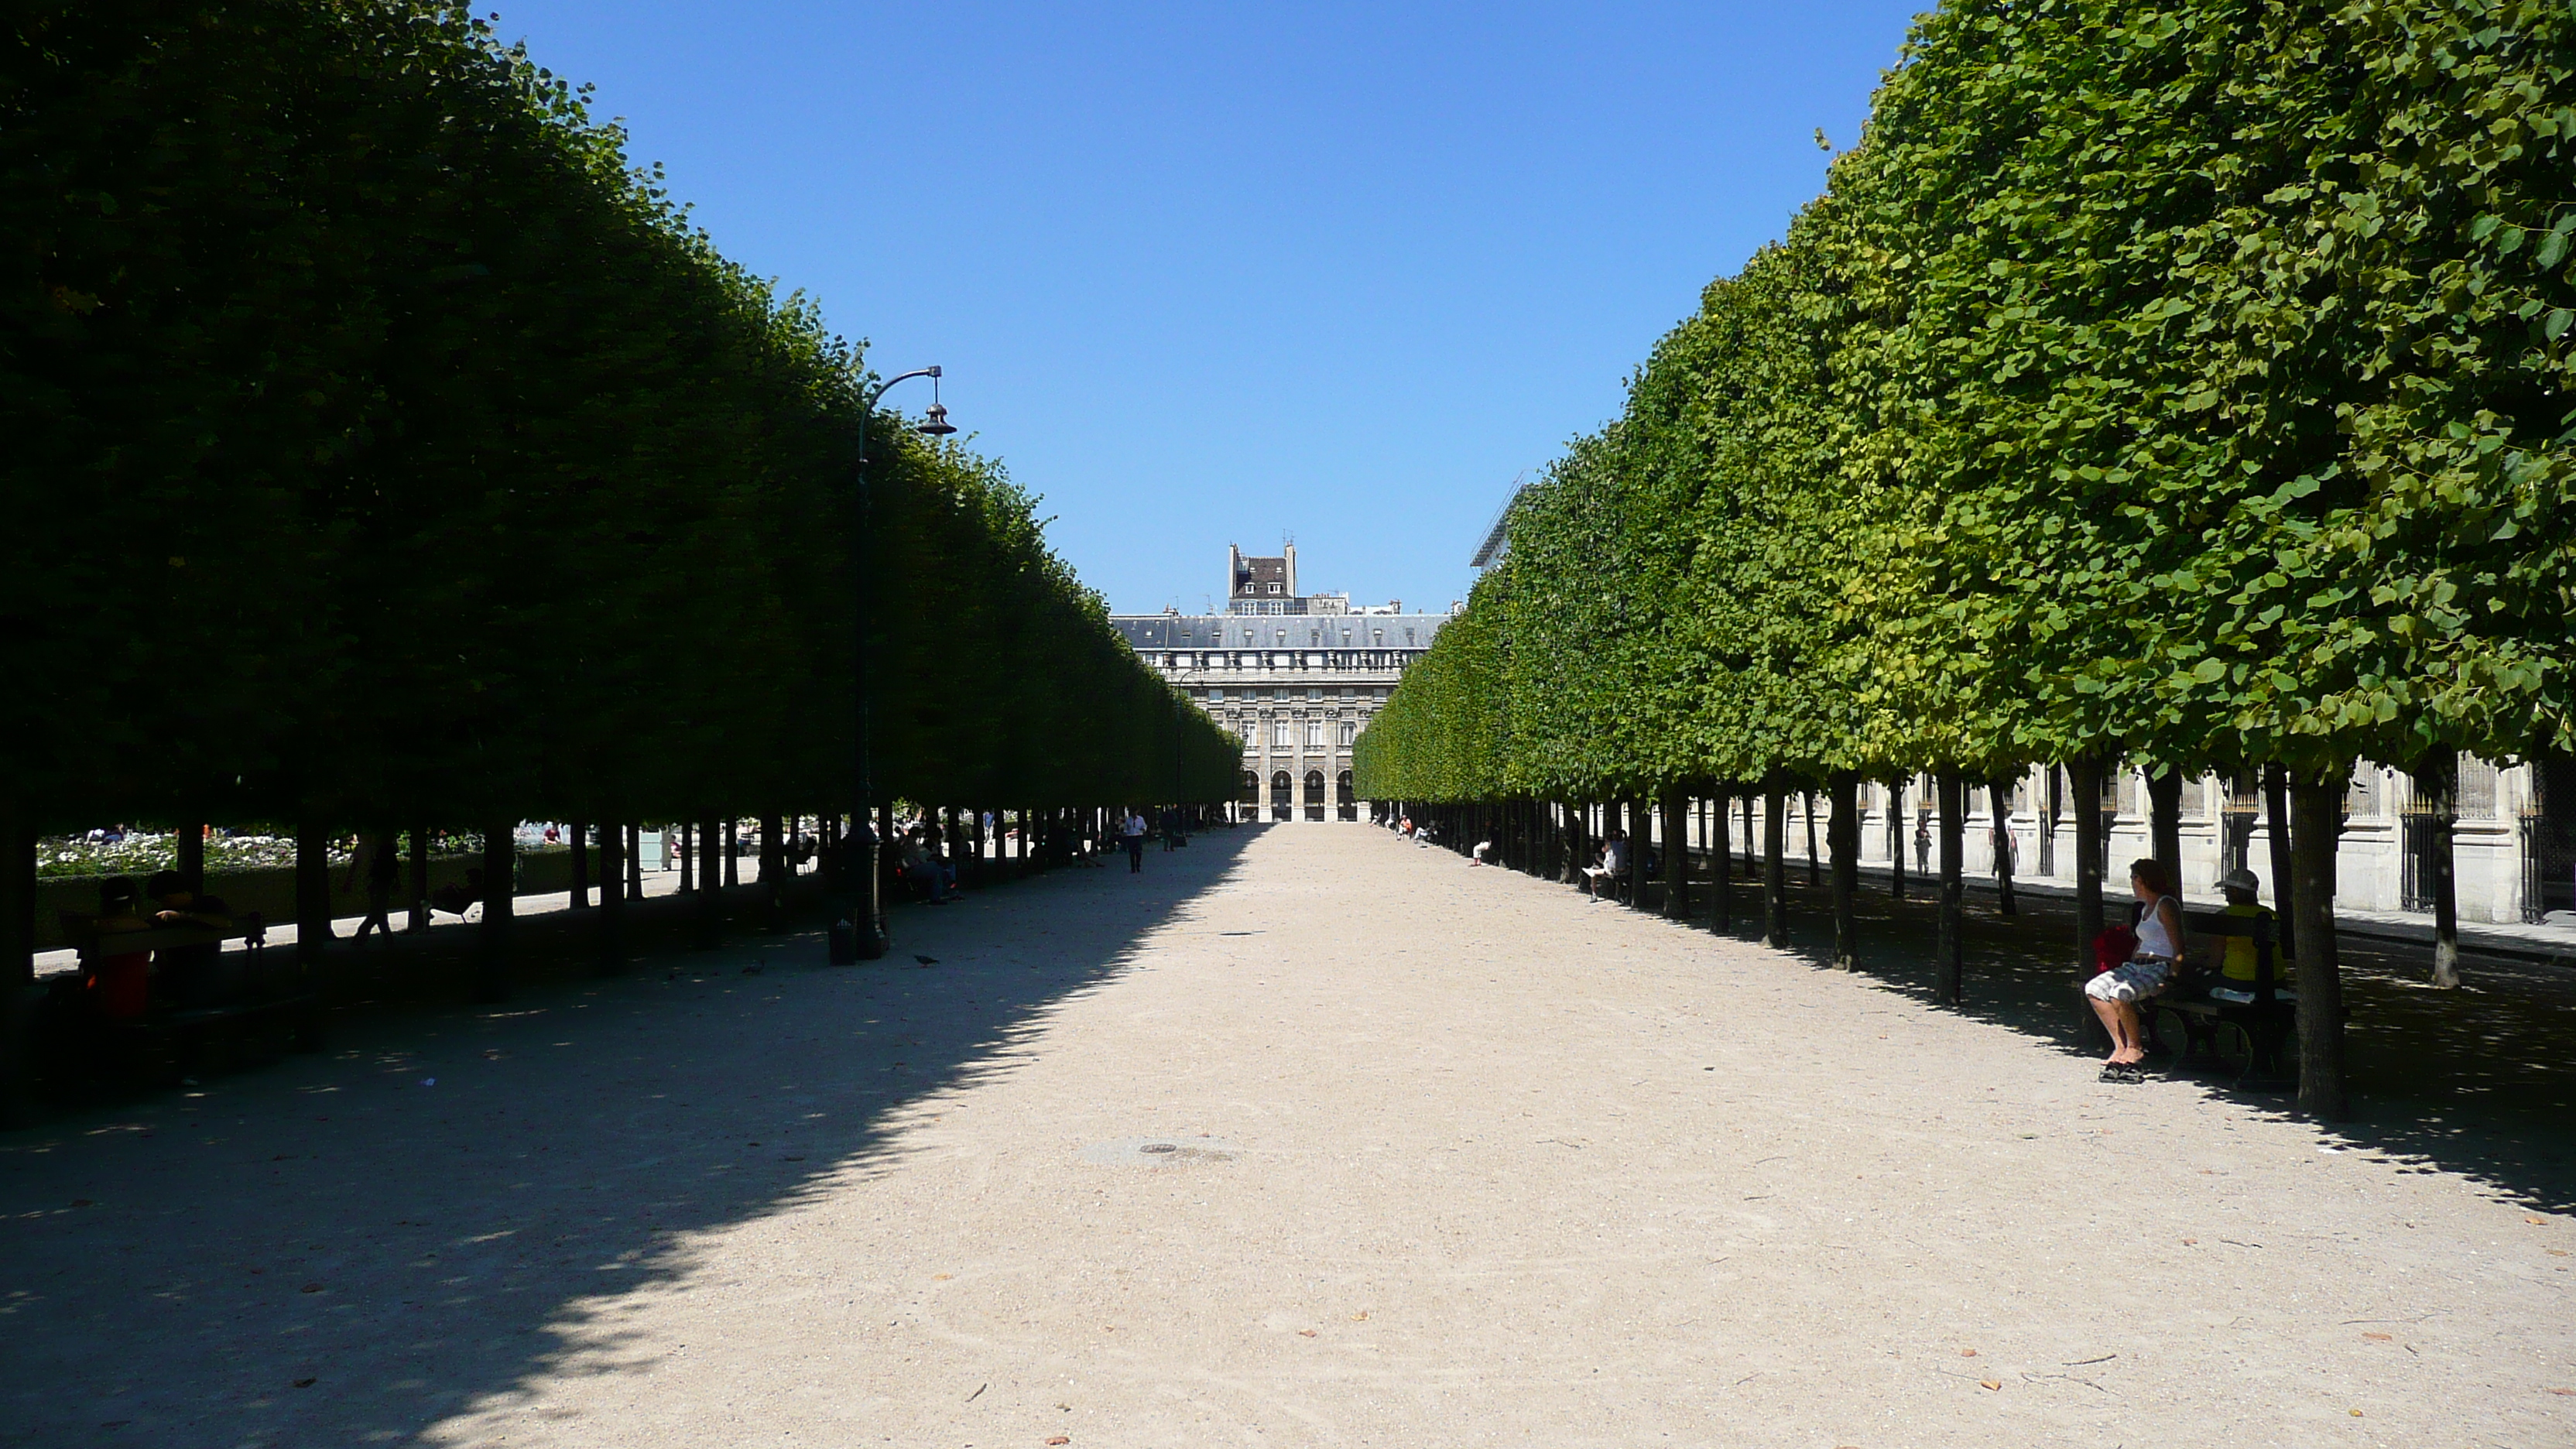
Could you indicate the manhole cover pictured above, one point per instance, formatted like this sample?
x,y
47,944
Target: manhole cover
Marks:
x,y
1158,1152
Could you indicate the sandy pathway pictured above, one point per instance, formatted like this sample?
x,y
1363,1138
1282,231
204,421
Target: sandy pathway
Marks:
x,y
1460,1160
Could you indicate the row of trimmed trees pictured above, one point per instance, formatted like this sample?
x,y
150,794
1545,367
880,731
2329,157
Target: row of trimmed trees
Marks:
x,y
2186,383
386,451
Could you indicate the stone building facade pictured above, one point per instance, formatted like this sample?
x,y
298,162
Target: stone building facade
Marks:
x,y
1295,676
2513,844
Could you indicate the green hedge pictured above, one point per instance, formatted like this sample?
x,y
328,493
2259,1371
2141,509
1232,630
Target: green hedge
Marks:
x,y
2188,382
383,447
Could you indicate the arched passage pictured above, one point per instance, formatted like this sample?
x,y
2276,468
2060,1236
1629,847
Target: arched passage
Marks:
x,y
1349,808
1314,794
1282,791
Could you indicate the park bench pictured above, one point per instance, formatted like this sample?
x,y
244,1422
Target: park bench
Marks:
x,y
242,995
2264,1026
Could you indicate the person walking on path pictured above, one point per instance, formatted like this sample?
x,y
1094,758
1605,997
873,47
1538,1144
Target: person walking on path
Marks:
x,y
376,860
1134,835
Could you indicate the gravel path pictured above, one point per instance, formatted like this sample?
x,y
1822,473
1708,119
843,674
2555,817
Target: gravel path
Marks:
x,y
1456,1159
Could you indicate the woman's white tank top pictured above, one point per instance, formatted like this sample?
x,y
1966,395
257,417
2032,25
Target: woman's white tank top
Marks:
x,y
2153,937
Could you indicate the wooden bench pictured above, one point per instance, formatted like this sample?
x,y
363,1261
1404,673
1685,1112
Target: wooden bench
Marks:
x,y
246,992
2267,1024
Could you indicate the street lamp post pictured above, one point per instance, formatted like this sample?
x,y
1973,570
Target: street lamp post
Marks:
x,y
861,932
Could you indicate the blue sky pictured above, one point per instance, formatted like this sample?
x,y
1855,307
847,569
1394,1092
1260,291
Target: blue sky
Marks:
x,y
1219,273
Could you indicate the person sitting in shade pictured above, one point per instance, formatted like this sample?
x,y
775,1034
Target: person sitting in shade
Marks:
x,y
185,975
2237,966
1613,869
118,982
2119,994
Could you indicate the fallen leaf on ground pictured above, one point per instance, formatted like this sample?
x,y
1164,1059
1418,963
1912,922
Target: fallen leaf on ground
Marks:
x,y
1967,1353
2356,1413
2537,1222
310,1288
2382,1337
305,1383
1359,1318
941,1277
1989,1384
2189,1242
1059,1439
1305,1333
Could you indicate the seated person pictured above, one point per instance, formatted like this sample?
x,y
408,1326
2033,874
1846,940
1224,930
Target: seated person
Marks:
x,y
920,869
118,983
2238,965
186,974
2121,995
1613,867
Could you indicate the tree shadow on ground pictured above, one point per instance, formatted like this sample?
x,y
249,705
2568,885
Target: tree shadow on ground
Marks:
x,y
2480,1081
353,1247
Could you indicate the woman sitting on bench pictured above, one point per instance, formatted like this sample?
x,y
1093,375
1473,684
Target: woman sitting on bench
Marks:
x,y
2116,993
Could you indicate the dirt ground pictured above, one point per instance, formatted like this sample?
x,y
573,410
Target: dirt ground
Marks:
x,y
1456,1158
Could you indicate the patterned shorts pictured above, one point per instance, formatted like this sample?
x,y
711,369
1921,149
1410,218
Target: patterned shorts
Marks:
x,y
2132,980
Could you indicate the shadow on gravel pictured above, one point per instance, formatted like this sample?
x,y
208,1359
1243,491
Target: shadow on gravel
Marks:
x,y
2480,1081
353,1247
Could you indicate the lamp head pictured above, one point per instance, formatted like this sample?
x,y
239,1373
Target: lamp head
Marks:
x,y
936,425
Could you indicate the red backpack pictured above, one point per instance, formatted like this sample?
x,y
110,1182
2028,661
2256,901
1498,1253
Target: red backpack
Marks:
x,y
2113,948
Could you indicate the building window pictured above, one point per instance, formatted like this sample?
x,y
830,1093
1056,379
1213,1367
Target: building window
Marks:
x,y
1350,732
1314,693
1314,734
1279,734
1216,694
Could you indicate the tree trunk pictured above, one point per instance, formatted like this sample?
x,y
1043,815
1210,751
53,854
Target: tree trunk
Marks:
x,y
2000,793
635,862
312,899
611,930
2164,806
2084,782
17,954
732,851
1896,841
1676,862
1721,884
492,937
419,879
678,836
1842,842
1952,964
710,886
2316,823
1752,871
773,873
2276,819
1807,806
580,866
2050,804
192,856
2438,779
1775,868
